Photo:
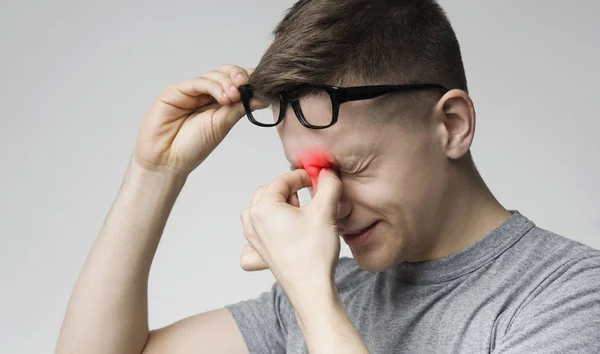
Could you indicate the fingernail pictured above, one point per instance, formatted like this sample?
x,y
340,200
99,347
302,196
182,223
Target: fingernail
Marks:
x,y
243,76
232,88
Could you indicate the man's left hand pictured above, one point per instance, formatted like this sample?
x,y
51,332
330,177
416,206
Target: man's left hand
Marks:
x,y
300,245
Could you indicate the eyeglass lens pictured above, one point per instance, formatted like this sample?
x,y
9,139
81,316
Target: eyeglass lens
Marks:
x,y
314,106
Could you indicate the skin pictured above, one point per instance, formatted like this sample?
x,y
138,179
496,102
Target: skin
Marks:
x,y
404,178
108,309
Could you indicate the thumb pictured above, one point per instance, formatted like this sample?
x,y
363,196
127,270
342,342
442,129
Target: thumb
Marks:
x,y
226,117
329,191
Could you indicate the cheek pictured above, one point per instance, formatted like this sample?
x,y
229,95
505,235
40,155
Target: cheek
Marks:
x,y
369,196
413,179
389,195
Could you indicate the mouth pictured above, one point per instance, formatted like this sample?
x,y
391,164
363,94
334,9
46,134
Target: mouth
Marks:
x,y
361,237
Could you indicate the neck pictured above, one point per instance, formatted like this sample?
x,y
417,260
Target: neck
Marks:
x,y
471,213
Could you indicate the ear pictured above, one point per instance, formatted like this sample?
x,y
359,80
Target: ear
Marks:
x,y
455,114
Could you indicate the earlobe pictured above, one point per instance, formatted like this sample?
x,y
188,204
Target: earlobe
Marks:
x,y
459,123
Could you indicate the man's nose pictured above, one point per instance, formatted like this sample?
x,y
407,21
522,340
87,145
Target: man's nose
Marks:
x,y
344,208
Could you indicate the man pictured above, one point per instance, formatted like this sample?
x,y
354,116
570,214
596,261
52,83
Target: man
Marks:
x,y
439,265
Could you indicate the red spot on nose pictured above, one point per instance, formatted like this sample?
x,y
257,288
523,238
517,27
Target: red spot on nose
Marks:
x,y
313,161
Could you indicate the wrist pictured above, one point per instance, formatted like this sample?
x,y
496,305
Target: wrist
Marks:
x,y
153,180
326,325
313,295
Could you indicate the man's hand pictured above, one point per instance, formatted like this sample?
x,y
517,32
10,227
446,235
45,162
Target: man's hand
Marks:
x,y
189,119
299,245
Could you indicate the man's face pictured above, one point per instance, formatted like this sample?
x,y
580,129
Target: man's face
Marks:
x,y
392,177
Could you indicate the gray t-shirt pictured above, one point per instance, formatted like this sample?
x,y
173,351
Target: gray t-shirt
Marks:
x,y
520,289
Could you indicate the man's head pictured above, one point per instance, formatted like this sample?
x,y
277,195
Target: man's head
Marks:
x,y
401,155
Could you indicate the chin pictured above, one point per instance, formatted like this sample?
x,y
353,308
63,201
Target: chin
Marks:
x,y
375,259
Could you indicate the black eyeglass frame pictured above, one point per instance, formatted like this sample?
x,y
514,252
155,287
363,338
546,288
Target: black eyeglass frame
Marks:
x,y
337,94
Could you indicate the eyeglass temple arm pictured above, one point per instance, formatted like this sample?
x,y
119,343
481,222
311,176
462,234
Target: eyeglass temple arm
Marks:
x,y
368,92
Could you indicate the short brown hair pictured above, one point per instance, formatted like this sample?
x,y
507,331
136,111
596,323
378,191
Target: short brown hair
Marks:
x,y
352,42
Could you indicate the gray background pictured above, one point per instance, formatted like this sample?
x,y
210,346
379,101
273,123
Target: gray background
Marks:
x,y
77,78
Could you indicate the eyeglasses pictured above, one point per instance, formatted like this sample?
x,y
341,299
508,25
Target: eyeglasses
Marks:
x,y
317,106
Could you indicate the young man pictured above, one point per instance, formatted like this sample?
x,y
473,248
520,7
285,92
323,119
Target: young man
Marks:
x,y
439,265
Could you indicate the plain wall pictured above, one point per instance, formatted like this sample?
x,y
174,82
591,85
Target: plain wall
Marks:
x,y
78,77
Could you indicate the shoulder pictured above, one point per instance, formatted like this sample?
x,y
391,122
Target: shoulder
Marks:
x,y
567,269
541,247
564,301
552,245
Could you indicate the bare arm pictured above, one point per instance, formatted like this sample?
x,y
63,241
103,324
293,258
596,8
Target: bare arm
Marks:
x,y
210,332
301,246
108,310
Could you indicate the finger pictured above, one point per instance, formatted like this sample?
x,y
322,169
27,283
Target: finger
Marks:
x,y
194,93
233,70
285,186
227,116
238,75
226,82
249,232
258,194
329,191
251,261
293,200
241,76
255,104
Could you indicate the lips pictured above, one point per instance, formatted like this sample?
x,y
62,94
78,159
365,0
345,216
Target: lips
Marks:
x,y
359,238
356,233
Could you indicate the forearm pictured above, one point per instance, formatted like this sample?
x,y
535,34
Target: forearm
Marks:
x,y
325,323
107,312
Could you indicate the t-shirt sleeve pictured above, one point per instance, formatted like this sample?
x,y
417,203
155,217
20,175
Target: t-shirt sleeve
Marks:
x,y
266,321
563,317
262,320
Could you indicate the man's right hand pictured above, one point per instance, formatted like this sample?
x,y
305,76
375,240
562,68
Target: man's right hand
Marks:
x,y
183,126
189,119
